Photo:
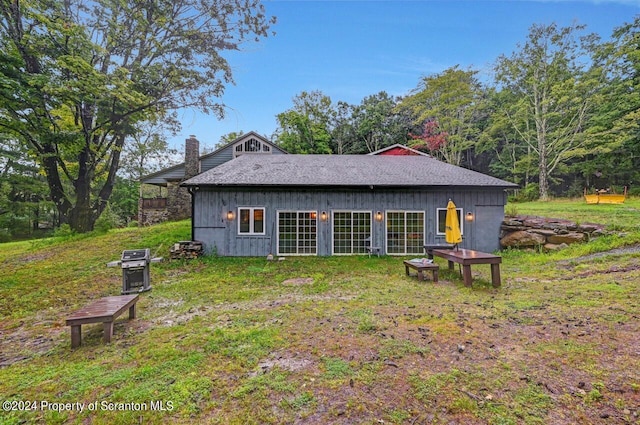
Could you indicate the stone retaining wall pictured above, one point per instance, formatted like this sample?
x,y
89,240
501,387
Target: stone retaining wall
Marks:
x,y
524,231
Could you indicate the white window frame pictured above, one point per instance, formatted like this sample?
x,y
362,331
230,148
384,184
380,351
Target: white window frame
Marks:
x,y
460,220
405,212
297,212
333,221
252,231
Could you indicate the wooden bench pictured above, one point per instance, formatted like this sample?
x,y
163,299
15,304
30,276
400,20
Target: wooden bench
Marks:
x,y
105,311
420,267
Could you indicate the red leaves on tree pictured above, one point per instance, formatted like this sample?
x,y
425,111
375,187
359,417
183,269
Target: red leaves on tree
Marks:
x,y
432,139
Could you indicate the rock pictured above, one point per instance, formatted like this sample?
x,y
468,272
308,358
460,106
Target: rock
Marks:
x,y
590,227
543,232
512,222
555,247
522,238
568,238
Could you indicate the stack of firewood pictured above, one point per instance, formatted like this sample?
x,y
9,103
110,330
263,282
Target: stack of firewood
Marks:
x,y
186,249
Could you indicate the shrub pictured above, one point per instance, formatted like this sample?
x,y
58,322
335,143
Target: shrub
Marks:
x,y
109,219
531,192
64,231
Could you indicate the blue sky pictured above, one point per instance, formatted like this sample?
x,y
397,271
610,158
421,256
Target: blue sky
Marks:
x,y
352,49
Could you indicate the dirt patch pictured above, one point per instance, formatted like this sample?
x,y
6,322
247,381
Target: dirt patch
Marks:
x,y
286,361
36,257
298,281
633,249
21,345
612,269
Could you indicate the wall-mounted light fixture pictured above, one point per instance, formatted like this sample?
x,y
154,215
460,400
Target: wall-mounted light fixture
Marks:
x,y
469,216
323,216
230,215
379,216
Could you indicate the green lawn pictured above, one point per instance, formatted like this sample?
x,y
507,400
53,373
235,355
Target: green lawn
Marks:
x,y
327,340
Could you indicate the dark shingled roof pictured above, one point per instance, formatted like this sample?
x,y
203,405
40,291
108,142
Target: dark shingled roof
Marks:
x,y
341,170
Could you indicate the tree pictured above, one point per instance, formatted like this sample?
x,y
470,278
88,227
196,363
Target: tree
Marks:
x,y
79,76
613,135
378,124
305,128
553,91
509,157
343,137
431,139
146,150
228,138
23,192
455,100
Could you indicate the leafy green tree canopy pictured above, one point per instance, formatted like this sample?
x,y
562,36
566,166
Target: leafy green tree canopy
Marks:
x,y
305,128
454,99
79,76
554,83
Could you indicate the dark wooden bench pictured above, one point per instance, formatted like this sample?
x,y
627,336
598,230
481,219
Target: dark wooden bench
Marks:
x,y
420,267
105,311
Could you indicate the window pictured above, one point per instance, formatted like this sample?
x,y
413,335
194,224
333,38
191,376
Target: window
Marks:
x,y
351,229
405,232
250,146
442,219
297,232
251,221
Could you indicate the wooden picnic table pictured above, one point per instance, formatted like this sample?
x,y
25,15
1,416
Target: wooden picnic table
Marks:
x,y
468,257
105,311
428,248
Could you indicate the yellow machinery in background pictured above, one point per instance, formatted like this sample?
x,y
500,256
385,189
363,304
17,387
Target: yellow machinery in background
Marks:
x,y
605,197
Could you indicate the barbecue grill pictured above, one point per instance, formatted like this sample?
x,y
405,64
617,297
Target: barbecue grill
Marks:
x,y
135,270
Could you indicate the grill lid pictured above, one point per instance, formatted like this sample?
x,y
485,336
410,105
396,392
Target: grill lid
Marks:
x,y
134,264
135,254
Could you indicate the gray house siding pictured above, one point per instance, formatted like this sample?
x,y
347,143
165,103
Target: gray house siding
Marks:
x,y
225,154
220,235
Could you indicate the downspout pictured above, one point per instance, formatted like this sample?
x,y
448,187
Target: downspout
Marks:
x,y
192,191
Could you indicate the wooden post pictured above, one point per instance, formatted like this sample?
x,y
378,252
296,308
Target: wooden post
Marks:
x,y
495,275
76,336
466,274
108,331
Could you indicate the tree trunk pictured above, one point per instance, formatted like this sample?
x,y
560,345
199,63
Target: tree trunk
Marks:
x,y
544,181
543,166
81,216
56,190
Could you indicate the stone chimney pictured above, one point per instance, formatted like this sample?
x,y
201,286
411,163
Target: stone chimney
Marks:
x,y
191,157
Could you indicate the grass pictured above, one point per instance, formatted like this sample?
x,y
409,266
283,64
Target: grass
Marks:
x,y
225,341
616,217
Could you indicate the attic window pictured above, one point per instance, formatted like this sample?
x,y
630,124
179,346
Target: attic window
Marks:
x,y
250,146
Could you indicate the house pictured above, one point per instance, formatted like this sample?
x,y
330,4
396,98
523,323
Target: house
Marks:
x,y
172,201
398,149
286,205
